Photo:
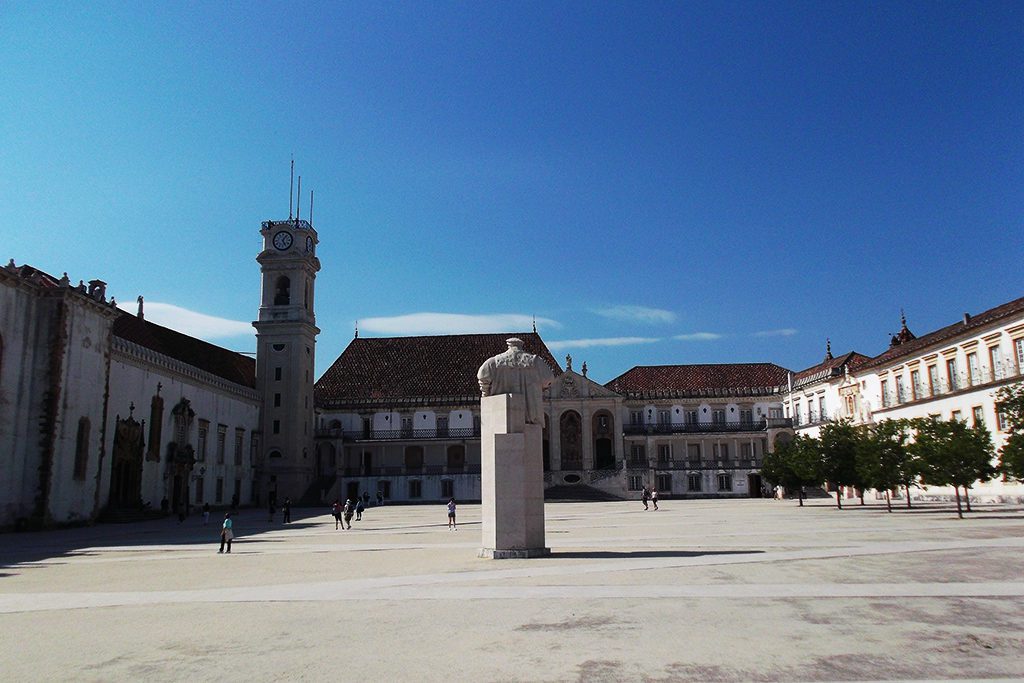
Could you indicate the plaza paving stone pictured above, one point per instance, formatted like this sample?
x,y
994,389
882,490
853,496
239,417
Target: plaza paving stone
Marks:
x,y
742,590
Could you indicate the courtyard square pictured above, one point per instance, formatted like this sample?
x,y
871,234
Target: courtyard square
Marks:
x,y
733,590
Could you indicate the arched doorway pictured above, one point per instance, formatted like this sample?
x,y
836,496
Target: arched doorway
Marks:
x,y
604,430
570,428
126,476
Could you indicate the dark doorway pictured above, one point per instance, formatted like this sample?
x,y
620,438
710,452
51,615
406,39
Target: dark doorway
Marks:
x,y
126,474
754,484
352,490
604,458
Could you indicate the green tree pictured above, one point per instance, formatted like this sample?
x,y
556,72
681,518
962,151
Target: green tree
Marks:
x,y
1010,403
953,454
883,460
838,445
793,465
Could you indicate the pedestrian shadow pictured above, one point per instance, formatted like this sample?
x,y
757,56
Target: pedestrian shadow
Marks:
x,y
637,554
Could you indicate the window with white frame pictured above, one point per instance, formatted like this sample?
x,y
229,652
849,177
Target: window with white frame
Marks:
x,y
915,384
821,408
636,482
979,416
693,482
951,374
1018,352
885,393
693,451
691,417
664,483
638,453
746,416
636,417
746,451
664,417
724,481
718,416
995,361
973,369
665,452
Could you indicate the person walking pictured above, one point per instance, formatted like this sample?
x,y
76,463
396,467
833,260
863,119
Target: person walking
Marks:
x,y
336,511
654,498
227,533
286,510
645,495
359,509
349,509
206,514
451,514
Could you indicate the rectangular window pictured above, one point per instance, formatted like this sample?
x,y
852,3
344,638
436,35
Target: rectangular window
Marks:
x,y
415,488
636,482
973,369
204,430
664,483
1001,422
957,416
796,413
901,393
691,417
665,452
447,488
951,375
82,448
664,417
747,416
636,417
638,454
746,451
239,439
934,387
995,362
238,491
219,493
1018,351
915,384
885,393
693,451
277,374
724,482
277,400
199,490
693,482
979,416
277,427
821,408
222,436
407,425
442,426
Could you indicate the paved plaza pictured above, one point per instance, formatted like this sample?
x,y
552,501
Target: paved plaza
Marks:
x,y
699,590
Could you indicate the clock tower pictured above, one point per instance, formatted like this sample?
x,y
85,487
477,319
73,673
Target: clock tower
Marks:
x,y
285,354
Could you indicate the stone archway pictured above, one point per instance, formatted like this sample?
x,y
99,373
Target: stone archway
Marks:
x,y
570,428
603,430
126,464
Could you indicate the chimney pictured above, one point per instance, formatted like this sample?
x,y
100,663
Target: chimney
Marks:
x,y
967,318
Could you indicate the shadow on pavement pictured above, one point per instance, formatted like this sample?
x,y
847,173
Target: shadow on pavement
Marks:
x,y
620,554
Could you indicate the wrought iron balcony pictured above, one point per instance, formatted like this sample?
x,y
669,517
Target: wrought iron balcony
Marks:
x,y
699,427
398,434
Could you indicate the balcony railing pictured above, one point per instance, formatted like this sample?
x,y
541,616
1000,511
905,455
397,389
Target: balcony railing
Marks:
x,y
398,434
701,427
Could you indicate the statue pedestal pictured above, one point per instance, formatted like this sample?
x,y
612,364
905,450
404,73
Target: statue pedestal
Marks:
x,y
511,480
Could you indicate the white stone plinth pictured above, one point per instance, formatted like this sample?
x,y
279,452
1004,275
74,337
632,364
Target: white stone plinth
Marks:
x,y
511,480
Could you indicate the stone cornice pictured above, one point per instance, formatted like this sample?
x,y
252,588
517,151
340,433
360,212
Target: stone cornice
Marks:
x,y
130,351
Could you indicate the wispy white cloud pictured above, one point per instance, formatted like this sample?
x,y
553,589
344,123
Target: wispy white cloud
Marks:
x,y
453,323
698,336
190,322
784,332
639,314
606,341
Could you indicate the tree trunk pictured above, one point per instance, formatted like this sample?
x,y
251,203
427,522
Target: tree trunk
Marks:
x,y
967,498
888,502
839,497
860,493
907,487
959,510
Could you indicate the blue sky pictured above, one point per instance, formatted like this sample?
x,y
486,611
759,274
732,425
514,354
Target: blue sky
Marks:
x,y
655,182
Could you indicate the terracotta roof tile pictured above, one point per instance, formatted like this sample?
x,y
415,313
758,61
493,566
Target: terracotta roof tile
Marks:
x,y
939,336
442,368
218,361
739,378
830,367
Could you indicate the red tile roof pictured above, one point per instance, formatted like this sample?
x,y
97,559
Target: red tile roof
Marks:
x,y
945,334
218,361
439,369
700,380
831,367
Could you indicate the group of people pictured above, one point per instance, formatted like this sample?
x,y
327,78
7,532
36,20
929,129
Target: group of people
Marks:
x,y
343,513
649,495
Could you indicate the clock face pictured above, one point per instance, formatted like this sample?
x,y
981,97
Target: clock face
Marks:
x,y
309,245
283,240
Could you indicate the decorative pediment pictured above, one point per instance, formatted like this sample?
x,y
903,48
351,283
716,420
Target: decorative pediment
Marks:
x,y
570,385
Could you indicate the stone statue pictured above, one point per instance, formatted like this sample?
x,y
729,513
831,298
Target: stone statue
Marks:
x,y
517,372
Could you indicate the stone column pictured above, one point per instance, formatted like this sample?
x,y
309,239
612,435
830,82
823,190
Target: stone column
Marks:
x,y
511,480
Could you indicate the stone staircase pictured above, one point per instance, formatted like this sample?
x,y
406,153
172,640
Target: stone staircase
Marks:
x,y
577,493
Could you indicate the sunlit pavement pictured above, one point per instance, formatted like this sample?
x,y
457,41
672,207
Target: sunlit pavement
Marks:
x,y
698,590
